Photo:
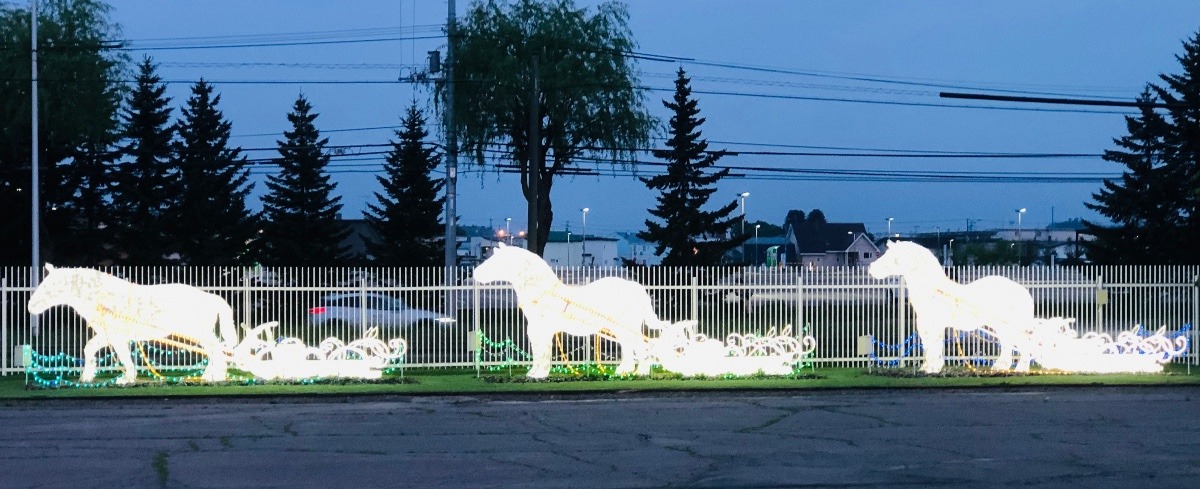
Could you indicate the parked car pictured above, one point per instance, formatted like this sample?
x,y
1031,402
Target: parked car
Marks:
x,y
378,310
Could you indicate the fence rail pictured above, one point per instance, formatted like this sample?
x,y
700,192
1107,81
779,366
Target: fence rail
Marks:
x,y
837,306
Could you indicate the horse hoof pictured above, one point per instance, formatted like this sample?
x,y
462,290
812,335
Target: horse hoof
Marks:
x,y
214,377
125,380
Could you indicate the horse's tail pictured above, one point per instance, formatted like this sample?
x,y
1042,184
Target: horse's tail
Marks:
x,y
229,334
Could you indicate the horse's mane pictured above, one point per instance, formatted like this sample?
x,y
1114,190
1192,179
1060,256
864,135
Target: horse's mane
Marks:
x,y
922,259
531,265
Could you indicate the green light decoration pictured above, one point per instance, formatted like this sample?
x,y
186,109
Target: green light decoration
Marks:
x,y
790,362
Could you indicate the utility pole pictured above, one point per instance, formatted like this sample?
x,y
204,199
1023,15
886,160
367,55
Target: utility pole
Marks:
x,y
535,162
35,218
451,147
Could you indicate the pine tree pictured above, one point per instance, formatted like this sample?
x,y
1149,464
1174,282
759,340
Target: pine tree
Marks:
x,y
302,225
1156,204
213,225
1181,93
1136,203
407,218
145,186
691,236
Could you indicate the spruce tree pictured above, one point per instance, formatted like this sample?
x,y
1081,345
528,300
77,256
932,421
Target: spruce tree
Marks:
x,y
1181,93
1135,203
689,235
302,225
407,216
145,185
1156,204
213,226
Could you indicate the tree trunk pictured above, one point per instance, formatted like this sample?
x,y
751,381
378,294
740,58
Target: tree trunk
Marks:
x,y
546,216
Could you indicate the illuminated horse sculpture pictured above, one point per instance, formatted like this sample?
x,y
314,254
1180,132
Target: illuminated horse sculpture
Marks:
x,y
120,312
611,306
995,304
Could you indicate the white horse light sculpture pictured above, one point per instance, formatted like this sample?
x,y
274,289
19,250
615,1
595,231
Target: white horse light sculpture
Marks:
x,y
119,312
612,306
994,304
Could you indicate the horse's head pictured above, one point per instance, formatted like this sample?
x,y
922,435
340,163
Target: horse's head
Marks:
x,y
902,258
506,264
51,291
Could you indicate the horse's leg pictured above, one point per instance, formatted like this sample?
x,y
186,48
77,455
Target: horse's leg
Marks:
x,y
216,369
1007,342
540,343
125,354
933,340
630,354
1024,344
640,348
90,349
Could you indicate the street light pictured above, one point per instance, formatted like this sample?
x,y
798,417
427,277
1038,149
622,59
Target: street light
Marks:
x,y
950,254
583,255
889,220
851,233
756,226
568,248
508,229
743,195
1020,249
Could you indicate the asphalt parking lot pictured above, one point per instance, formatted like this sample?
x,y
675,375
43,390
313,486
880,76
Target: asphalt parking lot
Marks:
x,y
1057,437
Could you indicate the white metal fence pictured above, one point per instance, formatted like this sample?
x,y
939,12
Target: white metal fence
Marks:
x,y
837,306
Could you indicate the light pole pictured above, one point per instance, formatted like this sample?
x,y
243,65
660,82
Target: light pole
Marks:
x,y
35,218
568,248
851,233
889,221
950,254
1020,249
583,254
743,195
508,229
756,226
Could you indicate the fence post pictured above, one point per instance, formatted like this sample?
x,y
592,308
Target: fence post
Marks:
x,y
362,306
245,299
695,306
902,288
4,325
477,334
799,331
1101,301
1195,319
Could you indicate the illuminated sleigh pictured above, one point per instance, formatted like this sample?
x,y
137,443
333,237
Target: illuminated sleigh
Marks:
x,y
1056,346
680,349
291,358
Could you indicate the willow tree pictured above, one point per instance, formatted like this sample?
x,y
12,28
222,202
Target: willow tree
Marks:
x,y
80,90
550,83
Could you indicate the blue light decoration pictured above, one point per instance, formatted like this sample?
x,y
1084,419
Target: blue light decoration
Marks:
x,y
1136,350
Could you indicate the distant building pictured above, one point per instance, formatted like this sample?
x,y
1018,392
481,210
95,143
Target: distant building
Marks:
x,y
567,249
816,243
636,251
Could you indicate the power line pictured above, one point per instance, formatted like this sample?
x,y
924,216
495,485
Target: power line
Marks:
x,y
1063,101
277,44
875,78
889,102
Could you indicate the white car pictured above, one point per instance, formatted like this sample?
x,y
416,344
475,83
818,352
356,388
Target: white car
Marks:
x,y
377,310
